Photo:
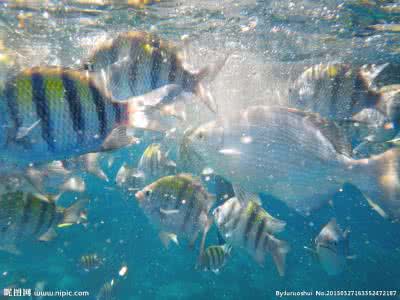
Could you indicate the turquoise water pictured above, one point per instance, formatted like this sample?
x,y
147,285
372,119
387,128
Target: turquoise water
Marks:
x,y
269,43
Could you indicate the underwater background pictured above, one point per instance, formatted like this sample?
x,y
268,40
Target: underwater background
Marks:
x,y
269,43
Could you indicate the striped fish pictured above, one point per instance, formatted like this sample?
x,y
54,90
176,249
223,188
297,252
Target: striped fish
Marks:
x,y
139,63
27,216
215,257
334,90
107,291
153,165
177,205
54,113
90,262
247,225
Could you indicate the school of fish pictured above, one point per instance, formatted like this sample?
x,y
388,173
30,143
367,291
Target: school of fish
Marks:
x,y
59,124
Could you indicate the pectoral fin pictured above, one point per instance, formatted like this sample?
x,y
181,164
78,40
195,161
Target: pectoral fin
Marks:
x,y
24,131
167,237
48,235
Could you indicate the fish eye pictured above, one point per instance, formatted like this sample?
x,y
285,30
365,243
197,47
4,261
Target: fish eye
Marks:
x,y
147,193
200,136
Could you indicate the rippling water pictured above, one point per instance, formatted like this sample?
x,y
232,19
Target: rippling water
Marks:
x,y
269,43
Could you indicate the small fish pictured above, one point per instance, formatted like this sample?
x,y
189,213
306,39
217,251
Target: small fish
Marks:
x,y
27,216
90,262
249,226
292,155
88,163
332,248
177,205
153,165
340,93
139,63
334,90
215,257
107,291
76,117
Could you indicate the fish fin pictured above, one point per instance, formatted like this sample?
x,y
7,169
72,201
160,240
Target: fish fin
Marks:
x,y
156,97
73,184
244,197
91,165
207,227
25,131
48,235
193,240
279,250
167,237
380,182
73,214
394,142
208,74
35,178
215,271
376,207
10,248
370,72
167,212
118,138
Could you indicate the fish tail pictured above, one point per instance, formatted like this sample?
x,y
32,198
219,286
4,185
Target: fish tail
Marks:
x,y
74,213
208,74
381,183
279,249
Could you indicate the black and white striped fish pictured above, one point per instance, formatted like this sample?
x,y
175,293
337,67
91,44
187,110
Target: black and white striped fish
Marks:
x,y
54,113
27,216
214,257
336,91
138,63
249,226
177,205
90,261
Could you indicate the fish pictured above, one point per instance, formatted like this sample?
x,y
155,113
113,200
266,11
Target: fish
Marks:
x,y
107,291
292,154
250,227
340,92
332,248
177,205
214,258
26,217
144,65
88,163
72,115
90,261
335,90
153,164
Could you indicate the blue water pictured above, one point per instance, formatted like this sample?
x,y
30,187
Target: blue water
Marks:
x,y
270,41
